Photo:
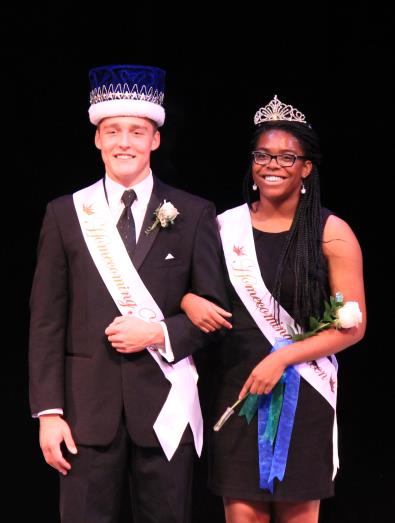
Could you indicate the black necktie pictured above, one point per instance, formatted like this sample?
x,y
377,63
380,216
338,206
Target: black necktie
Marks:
x,y
125,225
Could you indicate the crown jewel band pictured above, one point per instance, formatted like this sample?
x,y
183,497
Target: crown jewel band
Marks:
x,y
124,92
276,110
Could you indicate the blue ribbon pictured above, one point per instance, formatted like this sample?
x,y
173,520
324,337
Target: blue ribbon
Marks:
x,y
273,448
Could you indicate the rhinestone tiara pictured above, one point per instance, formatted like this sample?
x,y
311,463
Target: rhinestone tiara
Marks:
x,y
276,110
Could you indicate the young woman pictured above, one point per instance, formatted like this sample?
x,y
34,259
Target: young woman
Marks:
x,y
285,255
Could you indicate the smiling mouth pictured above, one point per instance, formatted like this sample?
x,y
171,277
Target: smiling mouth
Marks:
x,y
124,156
273,178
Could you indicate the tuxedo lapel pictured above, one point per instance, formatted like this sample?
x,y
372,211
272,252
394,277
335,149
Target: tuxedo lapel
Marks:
x,y
145,241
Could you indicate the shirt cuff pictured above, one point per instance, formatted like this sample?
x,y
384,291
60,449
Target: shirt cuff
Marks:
x,y
166,350
48,411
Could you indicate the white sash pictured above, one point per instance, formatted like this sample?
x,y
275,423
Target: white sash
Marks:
x,y
132,297
245,276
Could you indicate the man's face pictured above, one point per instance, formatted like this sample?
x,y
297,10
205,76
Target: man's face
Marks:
x,y
126,143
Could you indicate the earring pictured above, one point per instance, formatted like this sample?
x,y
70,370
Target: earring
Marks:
x,y
254,187
303,189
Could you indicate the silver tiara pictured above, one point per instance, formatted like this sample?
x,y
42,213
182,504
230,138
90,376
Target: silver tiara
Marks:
x,y
276,110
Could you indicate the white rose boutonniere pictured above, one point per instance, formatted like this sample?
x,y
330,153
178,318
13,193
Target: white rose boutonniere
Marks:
x,y
165,215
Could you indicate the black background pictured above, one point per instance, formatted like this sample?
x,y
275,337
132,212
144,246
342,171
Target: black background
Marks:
x,y
331,63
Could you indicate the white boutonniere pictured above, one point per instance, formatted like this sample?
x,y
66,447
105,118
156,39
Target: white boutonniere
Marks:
x,y
165,215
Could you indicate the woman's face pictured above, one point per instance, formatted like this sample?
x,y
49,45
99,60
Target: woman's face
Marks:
x,y
273,180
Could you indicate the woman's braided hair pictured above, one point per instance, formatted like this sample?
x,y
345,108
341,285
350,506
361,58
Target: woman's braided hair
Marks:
x,y
305,234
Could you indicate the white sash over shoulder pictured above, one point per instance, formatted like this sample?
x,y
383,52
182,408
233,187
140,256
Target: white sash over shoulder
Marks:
x,y
245,276
132,297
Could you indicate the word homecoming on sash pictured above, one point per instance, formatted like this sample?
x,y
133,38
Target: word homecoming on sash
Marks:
x,y
242,269
98,232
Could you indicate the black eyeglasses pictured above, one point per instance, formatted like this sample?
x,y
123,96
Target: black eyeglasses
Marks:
x,y
283,160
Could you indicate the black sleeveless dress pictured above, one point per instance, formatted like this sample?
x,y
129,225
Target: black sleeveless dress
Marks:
x,y
233,450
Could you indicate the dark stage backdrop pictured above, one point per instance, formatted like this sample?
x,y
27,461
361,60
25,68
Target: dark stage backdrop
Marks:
x,y
220,70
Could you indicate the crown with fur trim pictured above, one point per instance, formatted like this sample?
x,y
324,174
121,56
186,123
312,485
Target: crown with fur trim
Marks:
x,y
276,110
127,90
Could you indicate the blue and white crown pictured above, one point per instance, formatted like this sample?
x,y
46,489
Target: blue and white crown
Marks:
x,y
276,110
127,90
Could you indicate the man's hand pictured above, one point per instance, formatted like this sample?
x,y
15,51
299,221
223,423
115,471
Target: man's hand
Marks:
x,y
53,431
131,334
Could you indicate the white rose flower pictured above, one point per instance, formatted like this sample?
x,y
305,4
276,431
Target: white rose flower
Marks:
x,y
165,215
349,315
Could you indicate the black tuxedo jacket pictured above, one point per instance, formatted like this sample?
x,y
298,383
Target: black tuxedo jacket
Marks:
x,y
71,363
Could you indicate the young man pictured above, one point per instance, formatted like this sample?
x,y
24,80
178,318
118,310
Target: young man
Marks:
x,y
112,379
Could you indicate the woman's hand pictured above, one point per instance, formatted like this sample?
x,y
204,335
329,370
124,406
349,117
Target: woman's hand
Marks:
x,y
205,314
265,375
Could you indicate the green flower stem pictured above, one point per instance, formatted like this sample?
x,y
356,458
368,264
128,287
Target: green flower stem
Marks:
x,y
227,414
322,326
152,227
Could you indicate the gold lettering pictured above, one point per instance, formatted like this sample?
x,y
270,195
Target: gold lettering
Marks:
x,y
147,314
242,270
98,233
